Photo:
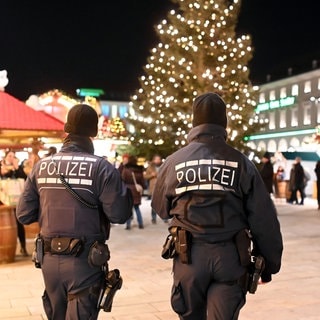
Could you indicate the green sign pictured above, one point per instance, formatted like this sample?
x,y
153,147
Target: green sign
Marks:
x,y
85,92
275,104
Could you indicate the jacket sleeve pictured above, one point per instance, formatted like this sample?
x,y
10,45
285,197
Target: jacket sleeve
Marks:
x,y
115,197
27,209
263,222
161,199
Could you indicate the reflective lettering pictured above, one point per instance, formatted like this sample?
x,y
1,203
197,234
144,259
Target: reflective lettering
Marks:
x,y
82,169
206,174
72,171
191,175
217,170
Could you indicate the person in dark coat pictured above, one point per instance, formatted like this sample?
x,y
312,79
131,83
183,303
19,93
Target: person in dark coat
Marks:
x,y
75,196
266,172
214,193
132,174
297,182
317,171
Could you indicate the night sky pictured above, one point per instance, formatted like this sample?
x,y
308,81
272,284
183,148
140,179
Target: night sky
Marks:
x,y
104,44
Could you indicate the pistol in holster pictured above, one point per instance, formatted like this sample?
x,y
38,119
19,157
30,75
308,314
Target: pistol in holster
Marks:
x,y
110,285
182,241
255,270
254,264
38,251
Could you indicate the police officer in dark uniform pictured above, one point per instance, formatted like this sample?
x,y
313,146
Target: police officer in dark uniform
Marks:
x,y
70,228
213,193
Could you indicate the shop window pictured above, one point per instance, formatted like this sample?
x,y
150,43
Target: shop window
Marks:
x,y
295,90
295,143
307,86
307,113
283,92
123,111
294,117
283,119
262,97
272,122
272,95
105,110
283,145
272,146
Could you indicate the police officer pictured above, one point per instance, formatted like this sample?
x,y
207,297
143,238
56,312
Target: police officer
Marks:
x,y
69,227
213,192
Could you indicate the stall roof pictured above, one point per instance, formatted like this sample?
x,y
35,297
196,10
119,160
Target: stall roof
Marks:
x,y
16,115
20,125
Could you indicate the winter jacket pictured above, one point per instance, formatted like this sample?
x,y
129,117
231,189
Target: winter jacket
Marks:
x,y
267,175
45,198
151,175
127,177
214,191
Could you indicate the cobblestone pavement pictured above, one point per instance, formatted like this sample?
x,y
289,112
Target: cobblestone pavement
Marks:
x,y
293,294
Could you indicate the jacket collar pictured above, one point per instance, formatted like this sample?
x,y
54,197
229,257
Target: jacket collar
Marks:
x,y
207,129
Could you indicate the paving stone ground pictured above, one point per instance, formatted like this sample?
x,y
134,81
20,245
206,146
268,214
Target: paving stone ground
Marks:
x,y
292,295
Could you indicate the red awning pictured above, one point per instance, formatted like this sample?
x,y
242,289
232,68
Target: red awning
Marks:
x,y
22,126
16,115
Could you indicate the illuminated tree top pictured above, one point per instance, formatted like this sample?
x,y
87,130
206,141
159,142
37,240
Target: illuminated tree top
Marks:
x,y
199,51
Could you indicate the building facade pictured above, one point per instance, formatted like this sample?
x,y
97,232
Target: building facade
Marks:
x,y
291,109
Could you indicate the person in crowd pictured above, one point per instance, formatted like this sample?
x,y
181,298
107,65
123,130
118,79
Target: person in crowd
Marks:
x,y
214,195
75,196
267,172
124,161
28,164
10,168
278,178
150,175
317,171
297,182
132,175
51,151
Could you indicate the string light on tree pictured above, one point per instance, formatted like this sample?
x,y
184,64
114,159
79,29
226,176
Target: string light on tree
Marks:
x,y
199,51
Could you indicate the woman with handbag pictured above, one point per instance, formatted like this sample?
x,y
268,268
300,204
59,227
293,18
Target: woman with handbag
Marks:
x,y
132,175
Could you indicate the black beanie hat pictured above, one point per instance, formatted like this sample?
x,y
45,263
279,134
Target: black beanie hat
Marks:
x,y
209,108
82,120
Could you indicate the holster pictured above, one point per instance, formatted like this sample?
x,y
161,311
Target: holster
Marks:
x,y
254,264
111,284
255,270
38,252
169,250
182,240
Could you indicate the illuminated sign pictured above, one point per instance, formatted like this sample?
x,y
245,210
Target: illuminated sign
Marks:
x,y
275,104
84,92
279,134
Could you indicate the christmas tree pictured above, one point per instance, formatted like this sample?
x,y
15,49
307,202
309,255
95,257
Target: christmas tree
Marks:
x,y
199,51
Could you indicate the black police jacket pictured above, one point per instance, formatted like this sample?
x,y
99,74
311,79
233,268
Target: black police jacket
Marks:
x,y
213,191
45,198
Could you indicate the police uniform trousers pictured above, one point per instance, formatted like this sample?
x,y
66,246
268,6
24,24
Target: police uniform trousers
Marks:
x,y
71,287
207,288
